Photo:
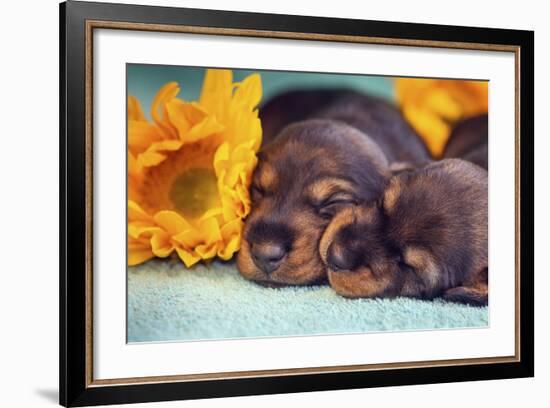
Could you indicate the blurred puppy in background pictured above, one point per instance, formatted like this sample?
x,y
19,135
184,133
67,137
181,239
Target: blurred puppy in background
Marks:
x,y
323,151
376,118
426,237
469,141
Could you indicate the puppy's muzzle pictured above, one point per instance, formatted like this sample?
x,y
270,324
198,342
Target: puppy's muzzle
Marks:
x,y
269,243
267,256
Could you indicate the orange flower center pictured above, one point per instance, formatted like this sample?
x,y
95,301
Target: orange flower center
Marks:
x,y
195,191
185,182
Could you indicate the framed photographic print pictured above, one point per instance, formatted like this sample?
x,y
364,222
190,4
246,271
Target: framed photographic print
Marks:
x,y
256,204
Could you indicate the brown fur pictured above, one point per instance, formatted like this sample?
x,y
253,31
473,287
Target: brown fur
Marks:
x,y
469,141
310,170
317,167
378,119
427,237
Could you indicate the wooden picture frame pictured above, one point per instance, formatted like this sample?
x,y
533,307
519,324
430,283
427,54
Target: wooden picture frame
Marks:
x,y
78,20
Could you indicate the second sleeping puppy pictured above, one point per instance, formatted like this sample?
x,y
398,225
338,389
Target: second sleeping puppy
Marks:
x,y
469,140
426,237
338,156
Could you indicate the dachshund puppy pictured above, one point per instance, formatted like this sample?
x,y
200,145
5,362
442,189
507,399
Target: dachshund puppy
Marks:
x,y
426,237
311,170
469,141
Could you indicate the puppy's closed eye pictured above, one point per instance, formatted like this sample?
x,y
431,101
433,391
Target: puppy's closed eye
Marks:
x,y
256,192
330,206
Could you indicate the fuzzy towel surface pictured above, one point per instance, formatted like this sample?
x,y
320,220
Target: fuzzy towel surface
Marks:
x,y
167,302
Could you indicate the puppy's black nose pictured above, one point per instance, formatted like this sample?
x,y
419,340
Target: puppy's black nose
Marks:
x,y
340,258
268,256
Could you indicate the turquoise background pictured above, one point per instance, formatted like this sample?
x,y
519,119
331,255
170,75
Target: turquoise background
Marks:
x,y
144,81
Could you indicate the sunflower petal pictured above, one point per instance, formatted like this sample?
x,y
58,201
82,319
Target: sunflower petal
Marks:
x,y
232,175
230,247
161,244
184,115
212,212
171,222
210,230
166,145
244,197
207,251
141,135
433,129
138,228
408,89
150,159
231,228
244,127
440,103
231,233
230,207
221,157
189,238
216,91
163,96
138,252
136,213
434,106
134,109
249,92
152,156
134,168
188,258
136,257
207,127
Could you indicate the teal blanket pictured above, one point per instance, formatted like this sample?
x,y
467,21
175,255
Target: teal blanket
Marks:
x,y
168,302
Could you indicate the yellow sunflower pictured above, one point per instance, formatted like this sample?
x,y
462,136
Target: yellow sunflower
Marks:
x,y
189,169
433,106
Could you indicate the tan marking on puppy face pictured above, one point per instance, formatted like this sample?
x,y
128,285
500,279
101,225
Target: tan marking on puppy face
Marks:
x,y
267,177
345,217
360,283
424,264
392,194
304,264
363,283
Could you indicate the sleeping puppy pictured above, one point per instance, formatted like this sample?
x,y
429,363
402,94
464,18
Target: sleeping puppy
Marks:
x,y
426,237
378,119
313,169
469,141
310,171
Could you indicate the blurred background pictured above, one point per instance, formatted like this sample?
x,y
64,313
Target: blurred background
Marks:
x,y
144,81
